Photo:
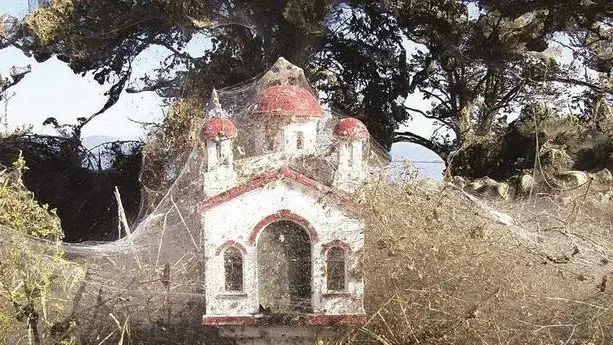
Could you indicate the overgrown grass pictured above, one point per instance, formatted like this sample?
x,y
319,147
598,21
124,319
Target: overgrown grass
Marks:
x,y
442,268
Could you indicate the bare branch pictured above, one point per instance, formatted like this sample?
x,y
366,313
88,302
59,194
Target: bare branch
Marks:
x,y
421,112
441,150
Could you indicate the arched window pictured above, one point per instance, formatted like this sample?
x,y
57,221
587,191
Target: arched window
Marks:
x,y
299,140
336,269
270,134
233,266
350,150
218,151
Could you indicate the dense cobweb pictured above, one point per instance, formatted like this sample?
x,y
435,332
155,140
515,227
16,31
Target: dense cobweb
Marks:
x,y
156,268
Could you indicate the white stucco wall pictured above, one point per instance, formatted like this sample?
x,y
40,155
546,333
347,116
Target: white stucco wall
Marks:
x,y
218,156
219,174
218,180
285,136
235,219
309,132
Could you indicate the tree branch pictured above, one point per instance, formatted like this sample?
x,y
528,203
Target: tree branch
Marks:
x,y
421,112
17,74
441,150
430,94
167,46
572,81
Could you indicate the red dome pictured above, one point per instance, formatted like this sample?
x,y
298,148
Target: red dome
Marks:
x,y
350,127
217,128
288,100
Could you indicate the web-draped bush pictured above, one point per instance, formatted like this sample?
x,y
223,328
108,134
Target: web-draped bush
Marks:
x,y
30,260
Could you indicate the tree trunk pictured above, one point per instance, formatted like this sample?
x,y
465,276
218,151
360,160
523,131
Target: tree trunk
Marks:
x,y
33,332
464,122
485,124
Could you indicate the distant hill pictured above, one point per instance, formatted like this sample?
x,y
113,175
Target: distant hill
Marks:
x,y
94,140
431,166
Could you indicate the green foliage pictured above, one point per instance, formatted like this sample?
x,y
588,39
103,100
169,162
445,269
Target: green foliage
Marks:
x,y
20,211
169,146
560,142
28,269
50,22
475,65
478,60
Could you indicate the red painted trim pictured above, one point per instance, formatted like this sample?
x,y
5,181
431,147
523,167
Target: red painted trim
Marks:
x,y
231,244
266,178
335,243
309,320
210,320
283,215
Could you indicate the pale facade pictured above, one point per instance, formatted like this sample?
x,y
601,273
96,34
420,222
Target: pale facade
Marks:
x,y
283,244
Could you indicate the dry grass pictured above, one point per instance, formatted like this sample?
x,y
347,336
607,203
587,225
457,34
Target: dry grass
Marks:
x,y
441,268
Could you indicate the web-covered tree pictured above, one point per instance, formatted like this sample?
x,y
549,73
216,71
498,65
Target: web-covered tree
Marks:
x,y
29,270
483,63
477,62
479,59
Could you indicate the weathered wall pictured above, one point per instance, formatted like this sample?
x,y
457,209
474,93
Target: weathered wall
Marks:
x,y
230,221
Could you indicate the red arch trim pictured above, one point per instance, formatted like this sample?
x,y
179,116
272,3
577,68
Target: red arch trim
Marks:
x,y
335,243
231,244
283,215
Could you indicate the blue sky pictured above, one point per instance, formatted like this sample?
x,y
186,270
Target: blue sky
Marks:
x,y
53,90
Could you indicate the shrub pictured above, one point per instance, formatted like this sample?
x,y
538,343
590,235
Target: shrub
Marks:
x,y
30,261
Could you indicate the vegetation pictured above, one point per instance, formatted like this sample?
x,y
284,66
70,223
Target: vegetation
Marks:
x,y
476,59
529,142
28,269
478,62
170,145
79,183
441,267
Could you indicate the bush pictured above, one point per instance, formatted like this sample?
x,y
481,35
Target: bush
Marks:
x,y
20,211
562,142
30,262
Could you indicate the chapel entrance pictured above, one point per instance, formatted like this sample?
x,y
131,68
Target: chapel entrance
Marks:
x,y
284,268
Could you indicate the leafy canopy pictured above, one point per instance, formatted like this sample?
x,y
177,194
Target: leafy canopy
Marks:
x,y
476,61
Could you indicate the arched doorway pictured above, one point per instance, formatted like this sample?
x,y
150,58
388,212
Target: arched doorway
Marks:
x,y
284,268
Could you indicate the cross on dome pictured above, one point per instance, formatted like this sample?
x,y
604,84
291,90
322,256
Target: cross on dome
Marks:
x,y
284,72
214,107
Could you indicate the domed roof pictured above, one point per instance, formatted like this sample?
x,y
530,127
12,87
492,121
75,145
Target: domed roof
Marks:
x,y
217,128
350,127
287,100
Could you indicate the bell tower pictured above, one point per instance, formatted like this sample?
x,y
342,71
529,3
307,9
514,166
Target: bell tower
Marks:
x,y
351,137
218,135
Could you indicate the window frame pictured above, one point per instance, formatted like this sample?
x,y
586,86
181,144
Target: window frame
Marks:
x,y
239,253
344,250
299,140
